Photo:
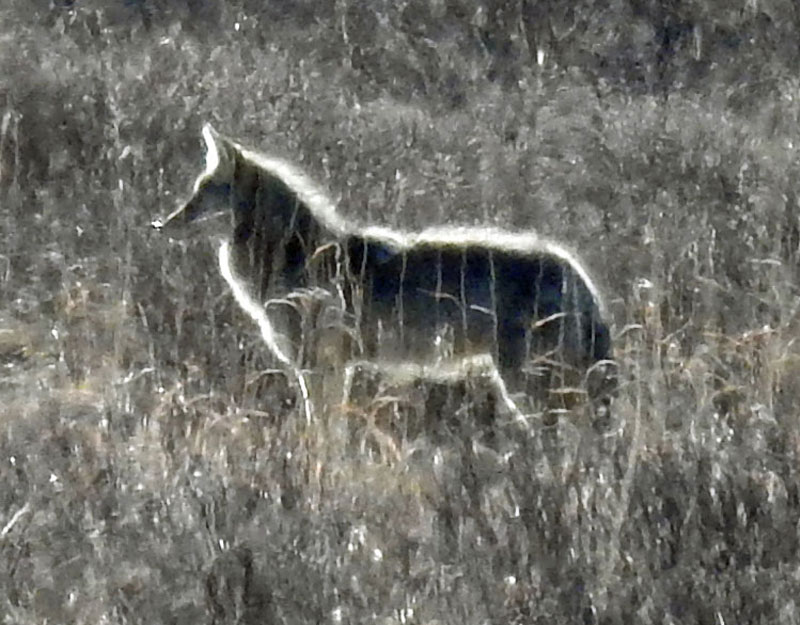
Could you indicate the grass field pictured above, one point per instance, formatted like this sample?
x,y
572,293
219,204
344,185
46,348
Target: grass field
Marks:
x,y
155,465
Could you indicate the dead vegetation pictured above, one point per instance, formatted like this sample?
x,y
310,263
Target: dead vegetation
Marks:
x,y
156,465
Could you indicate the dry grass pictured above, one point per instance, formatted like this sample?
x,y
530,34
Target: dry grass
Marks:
x,y
156,466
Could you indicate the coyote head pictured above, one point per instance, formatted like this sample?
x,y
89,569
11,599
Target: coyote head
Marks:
x,y
211,197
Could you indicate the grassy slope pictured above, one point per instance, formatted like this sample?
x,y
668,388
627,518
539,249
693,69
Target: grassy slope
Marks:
x,y
154,459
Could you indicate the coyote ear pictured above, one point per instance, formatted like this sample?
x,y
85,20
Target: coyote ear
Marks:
x,y
218,156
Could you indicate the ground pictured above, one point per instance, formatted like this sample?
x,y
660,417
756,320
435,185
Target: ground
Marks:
x,y
156,465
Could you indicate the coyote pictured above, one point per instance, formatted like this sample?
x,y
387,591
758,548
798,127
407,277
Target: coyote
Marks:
x,y
443,302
